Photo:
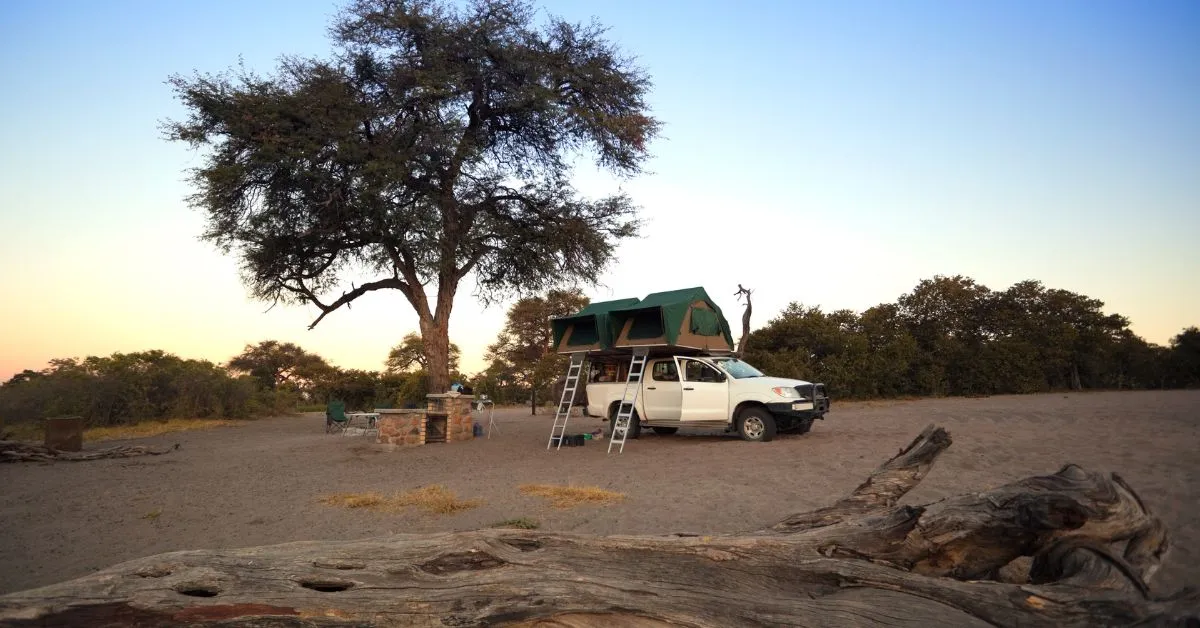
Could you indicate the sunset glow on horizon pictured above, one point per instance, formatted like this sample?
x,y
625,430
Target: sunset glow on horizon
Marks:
x,y
830,154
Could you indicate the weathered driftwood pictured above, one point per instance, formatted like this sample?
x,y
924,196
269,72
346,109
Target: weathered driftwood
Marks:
x,y
16,451
866,560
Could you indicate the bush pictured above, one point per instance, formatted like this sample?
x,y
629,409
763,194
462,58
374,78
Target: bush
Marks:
x,y
128,388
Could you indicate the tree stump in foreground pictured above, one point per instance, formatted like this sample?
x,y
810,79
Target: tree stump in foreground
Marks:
x,y
862,561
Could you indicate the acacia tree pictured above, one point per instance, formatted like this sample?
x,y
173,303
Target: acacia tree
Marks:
x,y
410,354
275,363
523,348
436,143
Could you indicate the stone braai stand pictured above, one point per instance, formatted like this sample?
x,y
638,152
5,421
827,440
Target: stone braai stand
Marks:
x,y
445,419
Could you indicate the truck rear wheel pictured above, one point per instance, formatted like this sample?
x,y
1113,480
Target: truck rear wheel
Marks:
x,y
635,424
756,424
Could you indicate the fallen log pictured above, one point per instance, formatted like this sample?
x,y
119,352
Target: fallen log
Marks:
x,y
866,560
16,451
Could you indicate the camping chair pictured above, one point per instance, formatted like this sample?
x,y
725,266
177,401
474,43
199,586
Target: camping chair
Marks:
x,y
335,417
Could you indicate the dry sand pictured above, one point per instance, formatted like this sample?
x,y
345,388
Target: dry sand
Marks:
x,y
260,483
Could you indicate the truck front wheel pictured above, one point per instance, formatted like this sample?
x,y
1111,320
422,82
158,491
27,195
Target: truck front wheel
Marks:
x,y
756,424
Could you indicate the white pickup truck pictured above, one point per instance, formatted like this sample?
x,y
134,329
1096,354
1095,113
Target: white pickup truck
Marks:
x,y
708,392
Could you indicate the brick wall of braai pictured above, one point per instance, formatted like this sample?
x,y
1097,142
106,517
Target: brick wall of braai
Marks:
x,y
457,409
401,427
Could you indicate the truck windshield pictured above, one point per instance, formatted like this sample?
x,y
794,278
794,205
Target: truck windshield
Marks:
x,y
738,369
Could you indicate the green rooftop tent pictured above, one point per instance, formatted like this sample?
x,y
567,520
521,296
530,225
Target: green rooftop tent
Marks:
x,y
685,318
590,329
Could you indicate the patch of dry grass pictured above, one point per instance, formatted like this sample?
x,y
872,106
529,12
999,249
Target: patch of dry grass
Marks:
x,y
571,496
152,428
354,500
435,499
22,431
36,430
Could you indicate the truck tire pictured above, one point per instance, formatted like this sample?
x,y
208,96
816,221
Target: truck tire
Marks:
x,y
665,431
635,424
756,424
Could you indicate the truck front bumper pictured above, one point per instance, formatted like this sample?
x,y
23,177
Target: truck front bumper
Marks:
x,y
812,403
800,408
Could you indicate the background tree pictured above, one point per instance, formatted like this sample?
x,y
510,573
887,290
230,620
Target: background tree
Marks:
x,y
1184,358
523,352
131,387
953,336
436,143
22,377
409,355
276,364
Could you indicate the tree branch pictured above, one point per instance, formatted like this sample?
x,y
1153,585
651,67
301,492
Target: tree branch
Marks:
x,y
883,488
745,339
347,297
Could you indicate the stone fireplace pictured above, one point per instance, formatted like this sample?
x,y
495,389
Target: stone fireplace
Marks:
x,y
445,419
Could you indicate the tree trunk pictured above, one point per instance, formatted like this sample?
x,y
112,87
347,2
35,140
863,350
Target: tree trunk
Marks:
x,y
435,337
532,400
744,342
865,560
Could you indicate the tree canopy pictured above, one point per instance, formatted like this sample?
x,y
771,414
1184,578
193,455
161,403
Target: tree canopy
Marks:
x,y
522,356
409,355
954,336
276,364
437,142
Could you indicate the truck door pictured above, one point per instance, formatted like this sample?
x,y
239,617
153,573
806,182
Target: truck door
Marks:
x,y
705,392
662,391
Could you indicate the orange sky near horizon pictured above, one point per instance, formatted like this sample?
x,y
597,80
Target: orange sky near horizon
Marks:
x,y
824,153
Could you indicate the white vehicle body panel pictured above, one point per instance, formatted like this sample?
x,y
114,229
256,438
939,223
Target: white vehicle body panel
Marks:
x,y
682,402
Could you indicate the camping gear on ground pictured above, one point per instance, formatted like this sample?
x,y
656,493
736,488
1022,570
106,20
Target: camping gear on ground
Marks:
x,y
570,440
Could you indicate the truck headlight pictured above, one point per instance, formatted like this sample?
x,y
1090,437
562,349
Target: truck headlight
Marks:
x,y
786,392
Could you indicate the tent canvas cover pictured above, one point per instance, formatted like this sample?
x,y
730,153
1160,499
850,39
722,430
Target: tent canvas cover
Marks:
x,y
685,318
589,329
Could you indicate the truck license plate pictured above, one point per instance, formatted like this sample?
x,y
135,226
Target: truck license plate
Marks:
x,y
802,406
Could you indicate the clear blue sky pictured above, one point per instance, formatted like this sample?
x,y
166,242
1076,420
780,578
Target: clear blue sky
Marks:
x,y
850,149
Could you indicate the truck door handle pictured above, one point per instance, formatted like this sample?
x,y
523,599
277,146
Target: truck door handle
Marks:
x,y
651,388
689,388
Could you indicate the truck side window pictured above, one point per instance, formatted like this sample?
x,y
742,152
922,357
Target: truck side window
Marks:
x,y
665,371
696,371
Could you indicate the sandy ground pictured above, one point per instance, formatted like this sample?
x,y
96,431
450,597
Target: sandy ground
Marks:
x,y
260,483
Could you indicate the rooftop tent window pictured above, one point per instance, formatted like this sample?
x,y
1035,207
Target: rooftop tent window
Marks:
x,y
647,324
705,322
583,333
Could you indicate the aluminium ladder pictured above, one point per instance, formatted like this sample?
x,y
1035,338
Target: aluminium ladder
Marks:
x,y
574,371
633,385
